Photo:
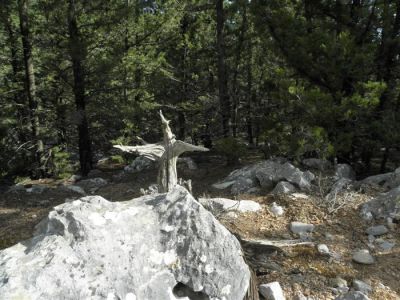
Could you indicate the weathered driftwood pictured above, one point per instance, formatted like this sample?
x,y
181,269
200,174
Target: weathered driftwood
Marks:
x,y
276,244
166,153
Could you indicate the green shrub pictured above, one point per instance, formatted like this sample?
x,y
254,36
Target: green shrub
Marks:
x,y
61,165
118,159
231,148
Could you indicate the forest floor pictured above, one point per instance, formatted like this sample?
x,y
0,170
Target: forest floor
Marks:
x,y
304,269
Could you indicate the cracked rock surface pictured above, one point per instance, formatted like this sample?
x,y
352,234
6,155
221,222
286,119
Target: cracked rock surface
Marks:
x,y
140,249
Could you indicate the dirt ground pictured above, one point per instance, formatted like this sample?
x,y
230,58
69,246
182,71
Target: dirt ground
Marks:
x,y
301,269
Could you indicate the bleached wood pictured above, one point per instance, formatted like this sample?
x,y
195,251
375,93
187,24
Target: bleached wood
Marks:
x,y
165,153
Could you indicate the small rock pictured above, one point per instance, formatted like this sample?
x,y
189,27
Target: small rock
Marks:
x,y
386,246
283,187
34,216
300,296
329,236
299,227
338,282
366,215
344,171
299,196
390,224
323,249
305,236
363,257
75,188
37,189
377,230
276,210
272,291
371,238
353,295
74,178
223,185
362,287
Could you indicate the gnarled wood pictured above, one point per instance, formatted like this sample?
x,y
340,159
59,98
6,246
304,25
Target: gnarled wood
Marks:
x,y
165,153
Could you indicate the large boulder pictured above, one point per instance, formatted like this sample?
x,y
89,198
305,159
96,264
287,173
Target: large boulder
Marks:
x,y
266,174
153,247
386,205
387,180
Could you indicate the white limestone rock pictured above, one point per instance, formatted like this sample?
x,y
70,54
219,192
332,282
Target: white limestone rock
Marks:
x,y
299,227
272,291
276,210
140,249
363,257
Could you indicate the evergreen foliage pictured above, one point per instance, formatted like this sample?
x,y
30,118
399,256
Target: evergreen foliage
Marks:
x,y
294,78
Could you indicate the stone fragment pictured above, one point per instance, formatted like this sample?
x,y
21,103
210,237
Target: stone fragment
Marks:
x,y
362,287
377,230
323,249
363,257
272,291
352,295
276,210
386,246
75,189
338,282
283,187
299,227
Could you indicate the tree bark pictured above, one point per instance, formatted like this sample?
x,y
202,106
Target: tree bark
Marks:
x,y
77,54
224,100
30,86
18,98
235,88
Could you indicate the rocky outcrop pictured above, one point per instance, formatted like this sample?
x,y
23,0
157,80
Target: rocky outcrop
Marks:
x,y
155,247
266,175
388,180
386,205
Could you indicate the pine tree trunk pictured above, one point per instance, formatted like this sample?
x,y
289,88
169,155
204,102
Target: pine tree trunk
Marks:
x,y
30,86
222,74
77,53
15,66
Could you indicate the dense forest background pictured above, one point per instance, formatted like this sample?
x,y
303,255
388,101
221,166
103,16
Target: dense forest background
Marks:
x,y
289,77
